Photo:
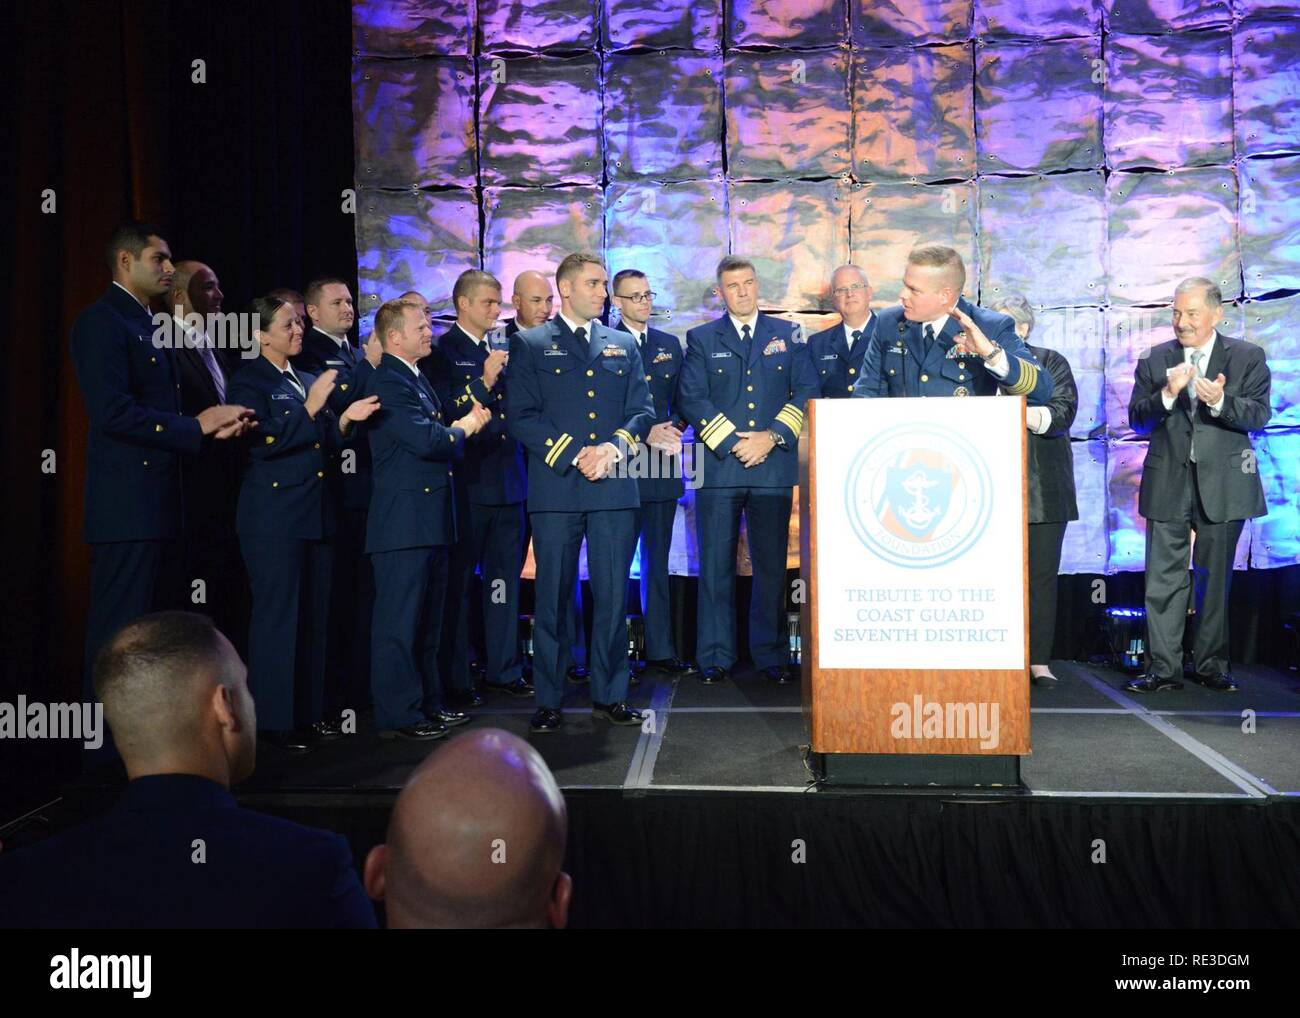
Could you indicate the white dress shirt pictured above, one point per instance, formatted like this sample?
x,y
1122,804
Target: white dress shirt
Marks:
x,y
1207,350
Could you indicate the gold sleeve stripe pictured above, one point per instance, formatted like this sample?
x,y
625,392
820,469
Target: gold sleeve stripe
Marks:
x,y
716,435
560,444
791,418
470,393
1028,379
627,436
717,422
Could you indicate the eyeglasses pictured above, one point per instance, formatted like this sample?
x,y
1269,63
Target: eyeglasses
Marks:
x,y
638,298
848,291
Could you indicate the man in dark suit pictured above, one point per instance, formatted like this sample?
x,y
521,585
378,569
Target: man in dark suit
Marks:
x,y
206,359
326,346
580,405
410,527
177,851
657,467
743,388
490,491
935,343
138,432
1198,397
837,352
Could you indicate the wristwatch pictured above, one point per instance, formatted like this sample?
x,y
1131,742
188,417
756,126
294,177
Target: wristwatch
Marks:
x,y
989,357
776,437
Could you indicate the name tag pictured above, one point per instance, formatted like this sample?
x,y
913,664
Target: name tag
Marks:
x,y
830,357
555,353
718,355
466,364
336,364
284,395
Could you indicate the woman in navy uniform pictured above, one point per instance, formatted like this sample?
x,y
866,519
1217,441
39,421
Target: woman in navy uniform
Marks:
x,y
285,520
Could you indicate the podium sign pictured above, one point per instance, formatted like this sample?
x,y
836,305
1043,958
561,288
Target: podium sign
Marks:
x,y
913,518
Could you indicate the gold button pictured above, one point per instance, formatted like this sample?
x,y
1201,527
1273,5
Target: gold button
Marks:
x,y
275,484
591,392
557,371
961,378
286,413
320,473
549,442
451,438
590,372
853,371
426,491
962,365
344,387
751,406
451,473
592,415
270,439
157,427
891,371
751,424
748,372
647,377
780,368
593,436
702,423
146,463
315,445
749,388
153,360
925,378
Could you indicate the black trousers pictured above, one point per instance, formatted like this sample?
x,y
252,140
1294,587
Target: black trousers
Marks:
x,y
410,595
1169,584
352,603
1044,564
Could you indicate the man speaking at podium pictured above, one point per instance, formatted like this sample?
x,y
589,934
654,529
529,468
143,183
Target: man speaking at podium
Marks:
x,y
934,343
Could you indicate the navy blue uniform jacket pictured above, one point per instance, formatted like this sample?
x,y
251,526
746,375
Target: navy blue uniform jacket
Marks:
x,y
135,868
284,493
563,398
836,365
726,389
662,361
492,472
412,452
898,365
137,433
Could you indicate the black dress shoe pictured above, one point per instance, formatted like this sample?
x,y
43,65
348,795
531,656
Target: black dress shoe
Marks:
x,y
423,731
578,675
326,731
782,675
1222,682
1151,684
464,699
546,720
617,713
517,688
671,666
711,676
450,718
288,742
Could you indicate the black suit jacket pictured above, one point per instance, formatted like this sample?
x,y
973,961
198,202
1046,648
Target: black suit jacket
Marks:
x,y
1051,462
1226,474
135,868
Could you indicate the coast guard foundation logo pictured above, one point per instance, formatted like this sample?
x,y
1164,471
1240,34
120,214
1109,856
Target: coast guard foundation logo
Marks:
x,y
918,496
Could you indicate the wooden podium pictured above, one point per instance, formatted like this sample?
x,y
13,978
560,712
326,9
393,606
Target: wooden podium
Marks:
x,y
913,533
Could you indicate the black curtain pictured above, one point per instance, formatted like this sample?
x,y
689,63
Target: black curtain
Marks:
x,y
242,170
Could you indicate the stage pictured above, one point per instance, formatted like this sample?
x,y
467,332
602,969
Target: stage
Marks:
x,y
1154,812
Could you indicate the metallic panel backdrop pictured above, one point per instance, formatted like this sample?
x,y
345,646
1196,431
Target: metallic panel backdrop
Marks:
x,y
1086,155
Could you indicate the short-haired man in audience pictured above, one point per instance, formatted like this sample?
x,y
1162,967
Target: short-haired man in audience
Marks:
x,y
476,841
177,851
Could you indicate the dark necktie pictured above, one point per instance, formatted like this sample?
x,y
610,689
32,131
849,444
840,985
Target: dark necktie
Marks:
x,y
581,334
293,380
744,335
857,335
349,356
929,338
640,341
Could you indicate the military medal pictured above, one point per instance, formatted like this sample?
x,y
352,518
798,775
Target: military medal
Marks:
x,y
961,390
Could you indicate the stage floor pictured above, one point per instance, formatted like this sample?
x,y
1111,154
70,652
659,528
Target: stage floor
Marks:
x,y
1090,740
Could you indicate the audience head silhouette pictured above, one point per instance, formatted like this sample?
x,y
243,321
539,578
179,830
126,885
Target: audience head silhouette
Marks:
x,y
476,840
176,698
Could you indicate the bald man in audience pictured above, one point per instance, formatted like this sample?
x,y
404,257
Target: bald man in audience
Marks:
x,y
476,841
177,850
533,300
